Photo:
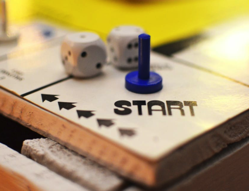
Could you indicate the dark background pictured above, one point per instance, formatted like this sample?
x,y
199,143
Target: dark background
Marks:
x,y
13,134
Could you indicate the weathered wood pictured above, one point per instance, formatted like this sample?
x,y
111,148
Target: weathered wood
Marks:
x,y
87,143
77,138
228,171
71,165
18,173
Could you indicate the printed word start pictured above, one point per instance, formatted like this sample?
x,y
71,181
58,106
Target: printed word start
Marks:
x,y
124,107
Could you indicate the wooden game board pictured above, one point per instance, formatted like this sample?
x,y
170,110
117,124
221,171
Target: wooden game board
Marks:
x,y
152,139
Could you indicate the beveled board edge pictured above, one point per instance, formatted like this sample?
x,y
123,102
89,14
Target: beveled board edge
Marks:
x,y
77,138
203,147
117,158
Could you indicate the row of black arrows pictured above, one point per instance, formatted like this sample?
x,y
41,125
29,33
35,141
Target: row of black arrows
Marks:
x,y
87,114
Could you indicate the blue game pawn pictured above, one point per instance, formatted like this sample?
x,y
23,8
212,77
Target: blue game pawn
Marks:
x,y
143,81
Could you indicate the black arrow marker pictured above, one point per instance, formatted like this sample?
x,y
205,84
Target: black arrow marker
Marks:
x,y
49,97
66,105
105,122
85,113
127,132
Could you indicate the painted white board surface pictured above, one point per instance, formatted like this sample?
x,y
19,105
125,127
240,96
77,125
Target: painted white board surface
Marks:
x,y
152,134
224,51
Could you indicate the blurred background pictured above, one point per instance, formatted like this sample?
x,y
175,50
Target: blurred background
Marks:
x,y
164,20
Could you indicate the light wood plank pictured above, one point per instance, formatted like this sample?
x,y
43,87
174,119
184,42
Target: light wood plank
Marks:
x,y
71,165
18,173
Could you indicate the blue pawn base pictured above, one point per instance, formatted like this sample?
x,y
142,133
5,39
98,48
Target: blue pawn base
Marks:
x,y
136,85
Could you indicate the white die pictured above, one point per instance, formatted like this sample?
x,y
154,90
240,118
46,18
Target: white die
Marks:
x,y
122,45
83,54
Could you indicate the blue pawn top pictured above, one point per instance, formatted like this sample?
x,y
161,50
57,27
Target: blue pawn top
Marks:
x,y
143,81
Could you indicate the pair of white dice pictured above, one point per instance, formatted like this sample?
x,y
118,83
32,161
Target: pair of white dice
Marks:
x,y
84,54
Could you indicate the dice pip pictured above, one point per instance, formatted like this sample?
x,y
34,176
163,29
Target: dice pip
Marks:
x,y
83,54
122,46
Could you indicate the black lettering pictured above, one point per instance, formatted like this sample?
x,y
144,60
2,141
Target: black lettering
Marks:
x,y
14,75
191,104
158,103
139,106
175,103
124,110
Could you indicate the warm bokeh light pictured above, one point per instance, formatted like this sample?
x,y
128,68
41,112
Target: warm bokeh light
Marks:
x,y
232,47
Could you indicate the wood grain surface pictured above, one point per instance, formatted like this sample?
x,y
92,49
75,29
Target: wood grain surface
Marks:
x,y
71,165
18,173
